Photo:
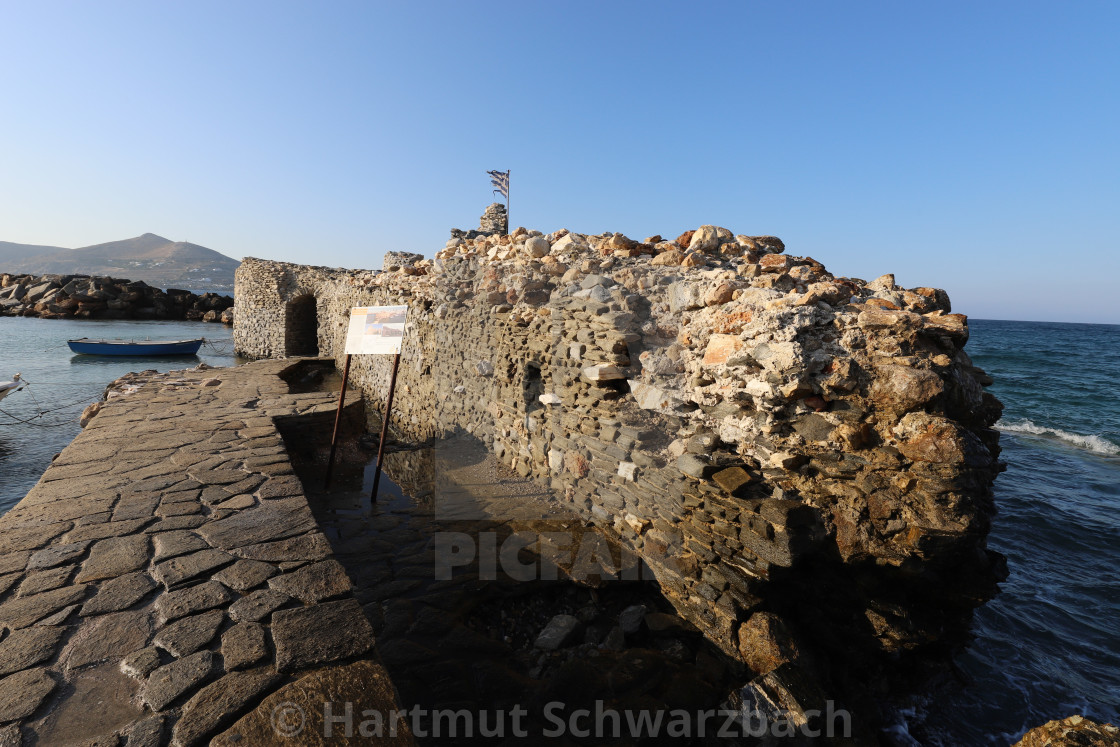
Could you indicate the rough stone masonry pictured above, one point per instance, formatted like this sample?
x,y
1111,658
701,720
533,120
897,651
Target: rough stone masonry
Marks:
x,y
805,460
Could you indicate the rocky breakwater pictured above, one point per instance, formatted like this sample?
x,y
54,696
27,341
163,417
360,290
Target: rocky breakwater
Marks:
x,y
85,297
805,460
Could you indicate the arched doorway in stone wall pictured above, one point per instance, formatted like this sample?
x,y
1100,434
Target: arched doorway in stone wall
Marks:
x,y
301,326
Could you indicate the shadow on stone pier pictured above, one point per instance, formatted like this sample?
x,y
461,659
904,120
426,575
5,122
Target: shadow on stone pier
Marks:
x,y
487,595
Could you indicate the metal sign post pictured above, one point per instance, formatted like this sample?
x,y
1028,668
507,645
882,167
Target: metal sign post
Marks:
x,y
373,330
385,426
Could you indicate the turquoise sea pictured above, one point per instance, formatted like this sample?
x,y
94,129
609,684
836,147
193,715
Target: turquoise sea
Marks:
x,y
1046,647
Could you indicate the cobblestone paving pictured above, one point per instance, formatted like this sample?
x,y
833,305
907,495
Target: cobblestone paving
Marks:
x,y
166,576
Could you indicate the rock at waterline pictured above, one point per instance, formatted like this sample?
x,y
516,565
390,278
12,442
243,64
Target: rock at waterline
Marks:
x,y
85,297
560,631
630,619
1075,731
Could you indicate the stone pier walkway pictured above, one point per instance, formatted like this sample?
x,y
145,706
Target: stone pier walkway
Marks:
x,y
165,580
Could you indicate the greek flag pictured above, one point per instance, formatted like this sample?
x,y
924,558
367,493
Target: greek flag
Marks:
x,y
500,179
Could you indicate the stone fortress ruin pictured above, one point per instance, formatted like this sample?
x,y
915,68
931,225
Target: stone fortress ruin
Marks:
x,y
804,460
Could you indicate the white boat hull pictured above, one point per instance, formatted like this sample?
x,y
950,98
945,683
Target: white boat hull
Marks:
x,y
9,386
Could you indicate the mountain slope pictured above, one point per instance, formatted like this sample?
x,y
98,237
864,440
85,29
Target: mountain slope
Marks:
x,y
151,258
11,252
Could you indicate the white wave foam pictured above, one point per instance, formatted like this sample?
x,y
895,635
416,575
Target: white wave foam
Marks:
x,y
1095,444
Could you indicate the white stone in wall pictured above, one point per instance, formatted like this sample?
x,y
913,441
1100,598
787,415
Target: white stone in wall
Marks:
x,y
636,523
603,373
650,397
685,297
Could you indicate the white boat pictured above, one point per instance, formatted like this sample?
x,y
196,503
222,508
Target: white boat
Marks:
x,y
9,386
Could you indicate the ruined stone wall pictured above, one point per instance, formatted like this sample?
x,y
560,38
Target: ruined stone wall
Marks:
x,y
798,456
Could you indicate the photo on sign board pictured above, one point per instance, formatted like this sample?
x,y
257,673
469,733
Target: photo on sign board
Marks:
x,y
376,330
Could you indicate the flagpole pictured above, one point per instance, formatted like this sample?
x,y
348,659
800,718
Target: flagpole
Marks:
x,y
502,184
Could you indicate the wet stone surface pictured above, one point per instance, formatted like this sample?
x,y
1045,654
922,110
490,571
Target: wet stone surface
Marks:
x,y
107,637
468,638
313,583
219,703
258,605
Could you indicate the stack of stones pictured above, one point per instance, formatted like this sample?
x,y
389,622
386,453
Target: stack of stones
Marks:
x,y
395,261
805,460
85,297
492,223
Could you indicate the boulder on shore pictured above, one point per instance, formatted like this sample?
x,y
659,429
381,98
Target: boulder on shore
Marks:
x,y
86,297
1070,732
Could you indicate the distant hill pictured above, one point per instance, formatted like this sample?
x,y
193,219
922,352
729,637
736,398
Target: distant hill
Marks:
x,y
155,260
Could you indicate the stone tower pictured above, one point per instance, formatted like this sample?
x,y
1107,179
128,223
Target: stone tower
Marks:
x,y
494,221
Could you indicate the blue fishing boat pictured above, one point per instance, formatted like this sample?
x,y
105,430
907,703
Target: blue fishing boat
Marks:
x,y
87,346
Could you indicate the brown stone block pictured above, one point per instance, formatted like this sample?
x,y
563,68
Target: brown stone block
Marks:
x,y
319,634
297,709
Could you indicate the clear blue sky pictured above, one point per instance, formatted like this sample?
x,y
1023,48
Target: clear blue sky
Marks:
x,y
973,146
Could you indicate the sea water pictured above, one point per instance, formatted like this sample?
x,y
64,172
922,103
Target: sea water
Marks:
x,y
1048,646
39,421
